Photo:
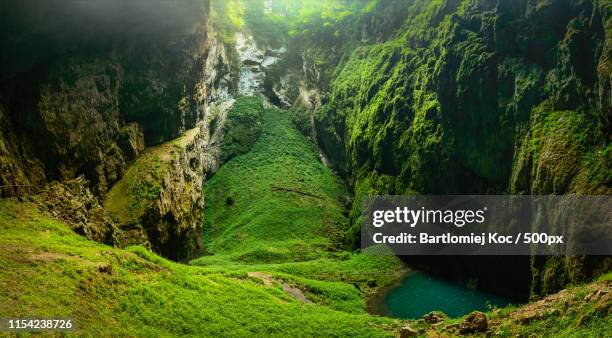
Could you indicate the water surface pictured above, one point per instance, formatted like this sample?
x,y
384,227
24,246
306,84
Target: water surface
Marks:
x,y
418,294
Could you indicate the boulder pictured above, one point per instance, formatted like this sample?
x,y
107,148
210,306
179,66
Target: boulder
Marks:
x,y
474,322
435,317
408,331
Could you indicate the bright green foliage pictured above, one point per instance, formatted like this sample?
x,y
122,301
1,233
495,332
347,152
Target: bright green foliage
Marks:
x,y
276,203
242,127
133,292
228,18
136,293
462,97
127,201
555,148
442,105
277,209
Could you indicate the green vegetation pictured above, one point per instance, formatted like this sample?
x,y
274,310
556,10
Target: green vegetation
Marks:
x,y
126,202
227,17
569,314
301,121
274,220
277,209
133,292
276,203
418,97
242,127
431,101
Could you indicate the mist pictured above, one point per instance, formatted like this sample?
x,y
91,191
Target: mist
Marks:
x,y
35,30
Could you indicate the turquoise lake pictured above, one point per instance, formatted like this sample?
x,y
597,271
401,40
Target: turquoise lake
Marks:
x,y
418,294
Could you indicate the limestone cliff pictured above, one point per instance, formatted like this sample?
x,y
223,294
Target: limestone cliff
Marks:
x,y
85,87
464,97
82,94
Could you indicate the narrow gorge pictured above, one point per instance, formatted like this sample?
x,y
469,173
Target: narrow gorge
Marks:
x,y
198,168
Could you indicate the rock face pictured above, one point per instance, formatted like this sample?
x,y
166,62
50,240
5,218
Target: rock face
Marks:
x,y
476,97
474,322
84,95
73,203
81,95
255,62
407,331
160,197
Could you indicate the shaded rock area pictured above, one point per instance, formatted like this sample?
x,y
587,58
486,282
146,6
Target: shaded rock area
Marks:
x,y
80,94
87,86
476,97
73,203
160,197
255,61
474,322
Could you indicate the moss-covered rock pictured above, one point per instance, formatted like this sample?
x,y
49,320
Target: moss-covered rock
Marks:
x,y
159,200
242,127
468,97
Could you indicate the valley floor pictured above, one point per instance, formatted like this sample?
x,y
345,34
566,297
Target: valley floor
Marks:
x,y
274,265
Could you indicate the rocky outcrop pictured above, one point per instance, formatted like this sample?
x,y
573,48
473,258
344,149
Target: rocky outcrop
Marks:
x,y
256,63
477,97
474,322
160,198
73,203
173,220
109,81
83,95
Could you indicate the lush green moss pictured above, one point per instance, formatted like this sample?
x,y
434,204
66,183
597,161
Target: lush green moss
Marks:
x,y
127,200
133,292
301,120
467,97
242,127
277,202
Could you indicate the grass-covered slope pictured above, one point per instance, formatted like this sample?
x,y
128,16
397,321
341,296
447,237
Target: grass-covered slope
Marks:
x,y
49,271
277,210
242,127
273,222
276,203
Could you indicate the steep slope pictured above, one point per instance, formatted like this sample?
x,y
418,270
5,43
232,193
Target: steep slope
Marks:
x,y
277,202
276,209
462,97
86,86
95,87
